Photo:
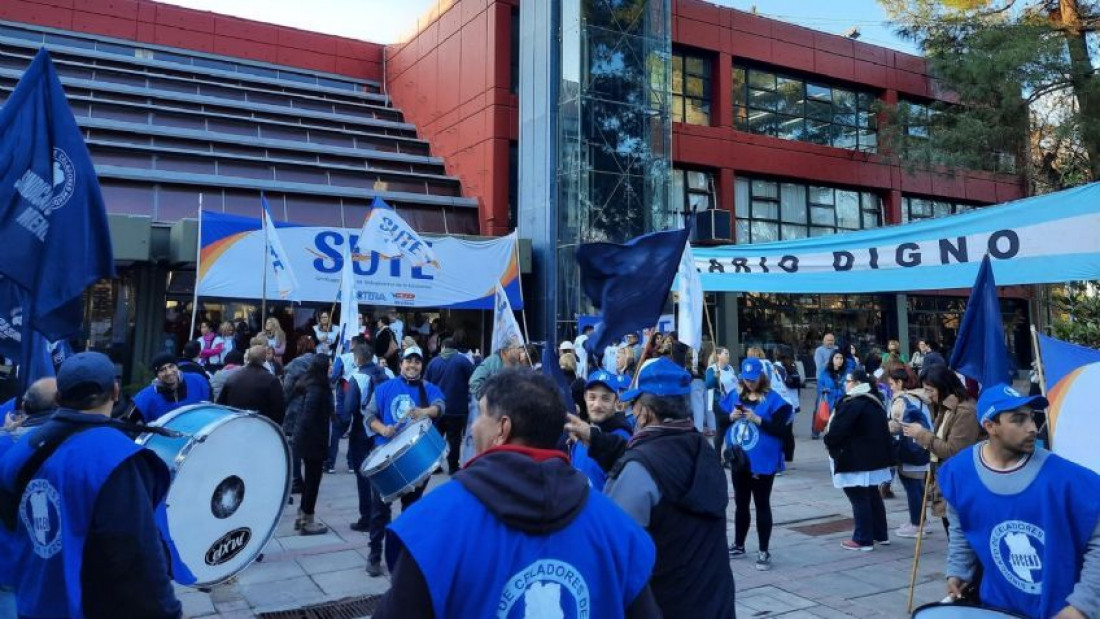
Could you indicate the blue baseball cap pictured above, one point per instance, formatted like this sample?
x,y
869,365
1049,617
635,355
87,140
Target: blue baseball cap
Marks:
x,y
1001,398
84,375
607,379
751,368
661,378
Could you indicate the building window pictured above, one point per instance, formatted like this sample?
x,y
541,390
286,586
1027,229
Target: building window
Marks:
x,y
922,121
792,108
692,191
514,51
770,210
690,88
915,209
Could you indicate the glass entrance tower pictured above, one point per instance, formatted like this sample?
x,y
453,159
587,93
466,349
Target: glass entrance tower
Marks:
x,y
595,137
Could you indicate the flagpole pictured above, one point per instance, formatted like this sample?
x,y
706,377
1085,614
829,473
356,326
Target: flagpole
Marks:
x,y
198,273
552,339
1038,361
263,280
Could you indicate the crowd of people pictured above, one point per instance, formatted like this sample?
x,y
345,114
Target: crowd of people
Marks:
x,y
610,494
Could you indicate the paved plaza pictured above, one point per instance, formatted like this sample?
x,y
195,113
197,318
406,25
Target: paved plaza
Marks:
x,y
812,575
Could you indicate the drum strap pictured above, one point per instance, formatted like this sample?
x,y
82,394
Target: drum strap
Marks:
x,y
9,501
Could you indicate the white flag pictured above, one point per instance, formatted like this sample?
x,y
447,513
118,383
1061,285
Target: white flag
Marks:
x,y
506,331
278,266
349,302
689,309
385,232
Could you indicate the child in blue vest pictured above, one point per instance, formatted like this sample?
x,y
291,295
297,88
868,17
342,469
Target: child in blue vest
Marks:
x,y
601,396
1029,517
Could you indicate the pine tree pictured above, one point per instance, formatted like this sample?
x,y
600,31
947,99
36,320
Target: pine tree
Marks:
x,y
1026,75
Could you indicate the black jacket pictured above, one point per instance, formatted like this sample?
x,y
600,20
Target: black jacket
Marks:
x,y
316,410
533,496
859,438
692,576
255,389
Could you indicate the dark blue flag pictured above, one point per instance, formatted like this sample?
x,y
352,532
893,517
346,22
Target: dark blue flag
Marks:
x,y
980,352
552,368
53,224
629,283
11,319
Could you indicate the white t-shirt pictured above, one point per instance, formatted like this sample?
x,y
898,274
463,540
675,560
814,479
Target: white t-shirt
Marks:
x,y
398,327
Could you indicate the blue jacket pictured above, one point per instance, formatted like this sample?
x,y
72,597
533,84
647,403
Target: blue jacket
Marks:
x,y
451,372
153,404
396,397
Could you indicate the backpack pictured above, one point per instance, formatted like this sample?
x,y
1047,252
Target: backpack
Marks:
x,y
906,449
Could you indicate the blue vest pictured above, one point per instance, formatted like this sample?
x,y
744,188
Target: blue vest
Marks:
x,y
478,567
765,451
55,513
153,405
7,538
395,398
578,455
1031,544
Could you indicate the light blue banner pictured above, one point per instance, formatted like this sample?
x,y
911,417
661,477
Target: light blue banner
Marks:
x,y
1045,239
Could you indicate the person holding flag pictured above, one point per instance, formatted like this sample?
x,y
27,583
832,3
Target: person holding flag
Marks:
x,y
507,344
394,404
1028,517
601,397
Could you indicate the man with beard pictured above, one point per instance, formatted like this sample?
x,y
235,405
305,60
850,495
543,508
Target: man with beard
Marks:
x,y
394,404
170,390
1030,518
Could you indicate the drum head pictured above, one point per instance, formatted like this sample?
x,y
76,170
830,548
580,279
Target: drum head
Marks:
x,y
227,496
960,611
401,442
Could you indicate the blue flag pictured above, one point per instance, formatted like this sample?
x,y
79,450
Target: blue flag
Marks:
x,y
980,352
629,283
53,224
552,369
1060,359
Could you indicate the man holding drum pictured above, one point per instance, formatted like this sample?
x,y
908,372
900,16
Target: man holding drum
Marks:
x,y
78,501
1029,517
395,403
532,539
170,390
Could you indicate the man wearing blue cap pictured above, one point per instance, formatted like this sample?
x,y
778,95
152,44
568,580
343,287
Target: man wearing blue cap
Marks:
x,y
77,499
671,482
601,397
1028,516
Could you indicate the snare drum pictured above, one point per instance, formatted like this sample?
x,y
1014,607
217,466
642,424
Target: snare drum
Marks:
x,y
230,481
961,611
402,464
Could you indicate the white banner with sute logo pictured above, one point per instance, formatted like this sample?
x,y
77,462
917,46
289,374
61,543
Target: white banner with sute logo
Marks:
x,y
232,253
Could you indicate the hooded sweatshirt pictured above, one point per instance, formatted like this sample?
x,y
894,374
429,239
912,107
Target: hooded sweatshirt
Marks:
x,y
536,495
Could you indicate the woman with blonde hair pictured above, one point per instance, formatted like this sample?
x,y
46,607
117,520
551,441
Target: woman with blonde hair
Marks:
x,y
276,337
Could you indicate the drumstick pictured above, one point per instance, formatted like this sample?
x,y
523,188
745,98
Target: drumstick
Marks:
x,y
920,535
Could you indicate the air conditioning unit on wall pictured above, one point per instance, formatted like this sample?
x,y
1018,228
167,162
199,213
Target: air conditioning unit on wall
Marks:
x,y
712,226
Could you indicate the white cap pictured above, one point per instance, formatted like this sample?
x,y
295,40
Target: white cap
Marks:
x,y
566,345
412,350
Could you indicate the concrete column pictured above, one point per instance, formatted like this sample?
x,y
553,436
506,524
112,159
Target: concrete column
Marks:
x,y
722,102
901,314
729,331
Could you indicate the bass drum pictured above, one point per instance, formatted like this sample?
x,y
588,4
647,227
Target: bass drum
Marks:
x,y
230,481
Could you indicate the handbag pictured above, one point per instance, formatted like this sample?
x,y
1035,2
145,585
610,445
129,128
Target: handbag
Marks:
x,y
821,416
736,458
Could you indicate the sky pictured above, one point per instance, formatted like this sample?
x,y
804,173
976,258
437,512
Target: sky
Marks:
x,y
385,21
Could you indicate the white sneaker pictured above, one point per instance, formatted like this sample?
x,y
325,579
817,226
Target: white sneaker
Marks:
x,y
909,530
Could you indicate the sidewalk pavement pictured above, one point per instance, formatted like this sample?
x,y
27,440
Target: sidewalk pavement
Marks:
x,y
812,576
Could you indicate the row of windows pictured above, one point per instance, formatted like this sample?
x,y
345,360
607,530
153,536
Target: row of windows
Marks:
x,y
769,210
776,211
793,108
